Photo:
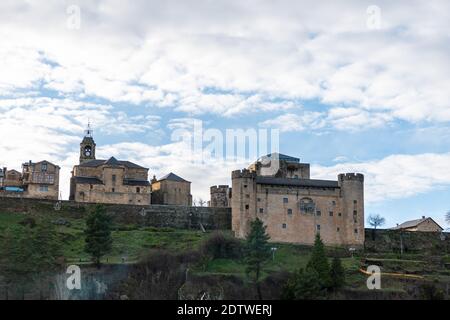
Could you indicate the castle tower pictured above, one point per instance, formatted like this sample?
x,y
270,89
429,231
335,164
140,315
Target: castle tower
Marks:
x,y
87,146
220,196
352,193
243,201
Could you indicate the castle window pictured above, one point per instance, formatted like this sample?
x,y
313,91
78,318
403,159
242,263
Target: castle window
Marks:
x,y
356,230
113,190
245,186
355,212
267,191
114,179
318,227
284,226
340,214
138,189
261,210
259,199
338,229
307,206
289,211
91,186
333,203
43,188
44,167
355,201
355,221
331,213
285,200
246,207
318,213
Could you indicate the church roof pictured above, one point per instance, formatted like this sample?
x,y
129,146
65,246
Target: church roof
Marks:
x,y
134,182
173,177
111,161
297,182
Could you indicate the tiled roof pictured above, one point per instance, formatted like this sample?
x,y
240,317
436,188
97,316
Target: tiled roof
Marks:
x,y
297,182
110,161
88,180
173,177
131,182
412,223
282,157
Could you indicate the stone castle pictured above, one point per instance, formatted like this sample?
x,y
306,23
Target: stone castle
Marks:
x,y
278,190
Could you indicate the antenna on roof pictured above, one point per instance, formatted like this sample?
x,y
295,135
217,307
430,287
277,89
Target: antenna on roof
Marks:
x,y
89,131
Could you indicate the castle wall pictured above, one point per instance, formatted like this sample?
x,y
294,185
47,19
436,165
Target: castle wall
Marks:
x,y
179,217
172,193
220,196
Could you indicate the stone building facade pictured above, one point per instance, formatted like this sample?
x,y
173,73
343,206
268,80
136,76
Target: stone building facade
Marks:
x,y
39,180
220,196
171,190
107,181
295,207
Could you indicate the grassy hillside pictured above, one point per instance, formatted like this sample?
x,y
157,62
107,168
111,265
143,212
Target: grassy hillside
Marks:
x,y
130,242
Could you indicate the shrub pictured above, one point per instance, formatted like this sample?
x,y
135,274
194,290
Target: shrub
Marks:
x,y
220,245
305,284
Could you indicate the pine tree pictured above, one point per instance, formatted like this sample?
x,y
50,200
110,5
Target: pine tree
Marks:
x,y
337,274
305,284
98,234
319,262
258,251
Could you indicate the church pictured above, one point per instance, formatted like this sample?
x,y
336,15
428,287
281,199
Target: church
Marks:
x,y
107,180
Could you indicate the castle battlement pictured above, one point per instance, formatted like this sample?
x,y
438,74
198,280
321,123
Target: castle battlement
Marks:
x,y
351,176
219,188
244,173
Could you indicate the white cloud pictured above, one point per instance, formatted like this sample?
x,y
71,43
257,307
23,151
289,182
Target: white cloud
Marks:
x,y
396,176
253,55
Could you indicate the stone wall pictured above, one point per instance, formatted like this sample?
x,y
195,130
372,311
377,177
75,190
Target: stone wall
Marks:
x,y
384,240
180,217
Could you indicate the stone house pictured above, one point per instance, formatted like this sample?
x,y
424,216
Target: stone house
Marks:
x,y
171,190
423,225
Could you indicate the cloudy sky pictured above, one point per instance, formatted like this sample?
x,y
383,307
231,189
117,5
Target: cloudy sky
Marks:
x,y
351,86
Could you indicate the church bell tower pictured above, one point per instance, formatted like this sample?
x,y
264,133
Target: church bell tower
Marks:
x,y
87,146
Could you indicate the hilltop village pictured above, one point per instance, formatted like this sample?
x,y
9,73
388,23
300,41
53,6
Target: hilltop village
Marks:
x,y
276,188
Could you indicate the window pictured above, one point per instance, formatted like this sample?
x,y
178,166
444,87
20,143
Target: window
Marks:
x,y
246,206
354,220
340,214
338,229
91,186
318,213
356,230
355,212
245,186
44,167
261,210
333,203
43,188
284,226
318,227
331,213
114,179
289,211
259,199
307,206
138,189
355,202
285,200
113,190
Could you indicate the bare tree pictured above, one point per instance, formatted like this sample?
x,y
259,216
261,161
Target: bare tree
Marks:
x,y
201,202
375,220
